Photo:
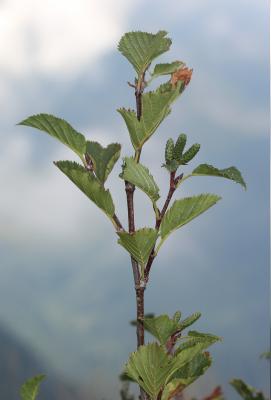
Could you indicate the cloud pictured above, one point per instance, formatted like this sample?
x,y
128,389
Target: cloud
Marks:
x,y
55,39
58,37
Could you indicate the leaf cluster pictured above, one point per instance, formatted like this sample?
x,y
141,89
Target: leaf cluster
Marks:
x,y
166,367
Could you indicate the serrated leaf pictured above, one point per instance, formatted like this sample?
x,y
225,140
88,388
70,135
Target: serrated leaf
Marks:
x,y
59,129
204,336
141,48
166,69
161,327
155,107
231,173
103,159
184,210
187,375
139,244
30,388
195,338
195,368
184,357
245,391
185,323
139,175
89,185
152,368
149,366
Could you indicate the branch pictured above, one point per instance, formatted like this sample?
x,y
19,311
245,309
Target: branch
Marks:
x,y
118,224
173,183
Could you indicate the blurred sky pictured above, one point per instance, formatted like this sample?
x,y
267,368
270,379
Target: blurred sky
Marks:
x,y
66,287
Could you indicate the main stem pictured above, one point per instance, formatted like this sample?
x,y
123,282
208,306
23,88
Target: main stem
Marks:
x,y
138,280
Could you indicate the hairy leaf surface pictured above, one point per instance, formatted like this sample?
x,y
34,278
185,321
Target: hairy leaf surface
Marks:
x,y
139,175
103,159
59,129
139,244
141,48
231,173
89,185
184,210
30,388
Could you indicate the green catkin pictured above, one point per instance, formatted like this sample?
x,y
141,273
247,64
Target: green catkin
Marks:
x,y
190,153
169,151
177,316
179,146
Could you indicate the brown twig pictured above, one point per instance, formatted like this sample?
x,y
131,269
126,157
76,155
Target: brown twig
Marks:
x,y
129,188
172,187
118,224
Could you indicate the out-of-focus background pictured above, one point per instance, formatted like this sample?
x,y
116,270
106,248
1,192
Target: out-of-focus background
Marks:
x,y
66,292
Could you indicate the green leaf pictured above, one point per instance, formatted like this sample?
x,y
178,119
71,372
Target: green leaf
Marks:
x,y
89,185
155,107
208,337
231,173
171,166
246,392
139,244
30,388
185,323
59,129
166,69
140,176
195,338
152,368
184,356
103,159
161,327
172,389
149,366
187,375
195,368
141,48
184,210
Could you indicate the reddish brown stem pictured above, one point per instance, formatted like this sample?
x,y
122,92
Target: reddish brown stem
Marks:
x,y
129,188
172,188
140,289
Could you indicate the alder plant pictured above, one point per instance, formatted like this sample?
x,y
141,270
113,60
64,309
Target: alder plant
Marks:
x,y
165,367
